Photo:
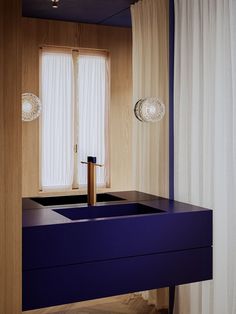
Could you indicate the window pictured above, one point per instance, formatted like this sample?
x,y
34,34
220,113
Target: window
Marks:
x,y
74,93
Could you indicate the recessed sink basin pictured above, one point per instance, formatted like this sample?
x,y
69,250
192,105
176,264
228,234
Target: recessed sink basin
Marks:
x,y
74,199
107,211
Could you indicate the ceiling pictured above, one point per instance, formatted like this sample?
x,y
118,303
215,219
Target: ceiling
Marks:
x,y
104,12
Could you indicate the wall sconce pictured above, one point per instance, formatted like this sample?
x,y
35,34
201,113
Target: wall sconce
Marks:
x,y
149,109
31,107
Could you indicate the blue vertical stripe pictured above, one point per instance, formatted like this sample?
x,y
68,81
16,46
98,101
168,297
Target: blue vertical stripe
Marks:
x,y
171,96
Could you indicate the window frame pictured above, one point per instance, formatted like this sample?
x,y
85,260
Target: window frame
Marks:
x,y
75,53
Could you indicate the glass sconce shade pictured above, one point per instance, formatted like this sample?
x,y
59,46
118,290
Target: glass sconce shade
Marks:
x,y
149,109
31,107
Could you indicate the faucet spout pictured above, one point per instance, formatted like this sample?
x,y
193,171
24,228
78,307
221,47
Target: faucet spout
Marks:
x,y
92,194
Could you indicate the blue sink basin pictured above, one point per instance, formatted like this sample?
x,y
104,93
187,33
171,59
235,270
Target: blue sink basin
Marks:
x,y
107,211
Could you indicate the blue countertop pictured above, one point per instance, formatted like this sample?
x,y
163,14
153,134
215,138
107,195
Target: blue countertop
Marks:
x,y
35,214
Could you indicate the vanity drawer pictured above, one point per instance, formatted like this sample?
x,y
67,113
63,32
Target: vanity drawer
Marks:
x,y
73,283
78,242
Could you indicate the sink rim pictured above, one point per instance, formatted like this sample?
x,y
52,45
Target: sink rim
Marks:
x,y
153,211
36,199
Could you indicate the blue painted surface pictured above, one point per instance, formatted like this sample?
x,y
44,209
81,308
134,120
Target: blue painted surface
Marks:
x,y
104,12
79,242
79,282
67,260
171,96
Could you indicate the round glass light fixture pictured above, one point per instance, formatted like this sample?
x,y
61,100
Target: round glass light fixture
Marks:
x,y
31,107
149,109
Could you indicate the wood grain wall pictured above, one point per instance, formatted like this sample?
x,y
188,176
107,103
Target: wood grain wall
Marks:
x,y
10,157
118,41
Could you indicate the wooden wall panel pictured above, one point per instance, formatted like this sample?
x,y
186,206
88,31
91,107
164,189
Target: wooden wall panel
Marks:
x,y
119,42
30,83
2,189
10,157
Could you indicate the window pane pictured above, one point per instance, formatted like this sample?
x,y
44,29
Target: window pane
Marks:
x,y
91,113
57,120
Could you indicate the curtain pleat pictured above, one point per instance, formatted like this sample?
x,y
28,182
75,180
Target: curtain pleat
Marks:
x,y
205,140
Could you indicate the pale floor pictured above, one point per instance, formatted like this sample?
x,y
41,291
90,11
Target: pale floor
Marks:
x,y
128,304
132,305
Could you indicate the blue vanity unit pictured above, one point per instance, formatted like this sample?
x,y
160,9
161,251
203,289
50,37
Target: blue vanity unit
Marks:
x,y
128,242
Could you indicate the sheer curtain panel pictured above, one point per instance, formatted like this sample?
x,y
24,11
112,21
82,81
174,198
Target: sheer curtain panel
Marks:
x,y
57,115
92,112
205,140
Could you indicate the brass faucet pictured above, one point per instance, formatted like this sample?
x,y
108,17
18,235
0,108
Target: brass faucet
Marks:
x,y
91,162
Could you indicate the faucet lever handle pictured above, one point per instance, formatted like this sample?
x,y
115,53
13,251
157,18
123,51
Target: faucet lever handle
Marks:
x,y
98,165
86,163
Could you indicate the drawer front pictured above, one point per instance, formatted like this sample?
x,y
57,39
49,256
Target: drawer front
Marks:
x,y
78,242
73,283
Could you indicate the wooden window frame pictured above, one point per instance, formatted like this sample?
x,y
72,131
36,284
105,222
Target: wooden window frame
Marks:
x,y
75,52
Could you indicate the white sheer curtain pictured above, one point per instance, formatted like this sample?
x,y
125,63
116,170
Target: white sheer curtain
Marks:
x,y
205,140
92,113
57,116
